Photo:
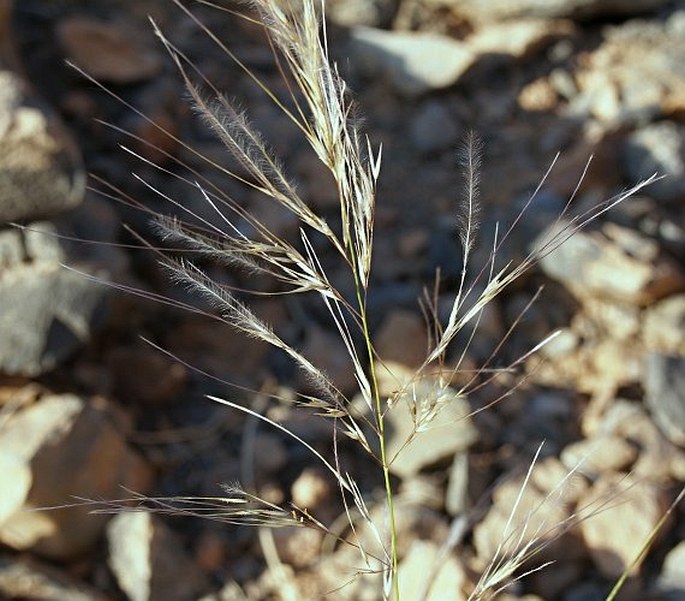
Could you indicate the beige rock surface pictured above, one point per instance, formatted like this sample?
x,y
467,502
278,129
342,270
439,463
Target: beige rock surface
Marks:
x,y
539,513
149,561
72,449
630,509
428,422
426,574
593,456
21,578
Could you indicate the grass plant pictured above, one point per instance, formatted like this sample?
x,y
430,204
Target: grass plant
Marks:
x,y
320,107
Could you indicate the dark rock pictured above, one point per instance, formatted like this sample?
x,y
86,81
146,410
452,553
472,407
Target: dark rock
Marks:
x,y
48,311
658,148
145,375
110,52
433,129
40,167
586,591
403,338
494,10
665,394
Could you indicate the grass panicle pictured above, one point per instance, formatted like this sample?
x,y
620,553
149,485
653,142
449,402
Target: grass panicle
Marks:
x,y
319,105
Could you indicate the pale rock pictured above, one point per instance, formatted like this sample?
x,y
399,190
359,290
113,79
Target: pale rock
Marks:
x,y
658,459
73,448
595,456
630,510
21,578
565,342
149,561
413,63
618,320
312,489
326,576
539,513
599,97
426,573
271,492
615,363
636,75
613,263
414,522
427,423
349,13
671,582
593,368
109,52
560,78
231,591
402,338
677,466
538,96
456,495
298,546
422,490
41,173
518,39
17,479
552,477
663,326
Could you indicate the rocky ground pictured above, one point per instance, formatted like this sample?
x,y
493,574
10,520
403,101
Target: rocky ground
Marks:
x,y
88,409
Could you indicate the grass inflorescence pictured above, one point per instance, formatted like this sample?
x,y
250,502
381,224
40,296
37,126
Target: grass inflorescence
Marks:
x,y
320,107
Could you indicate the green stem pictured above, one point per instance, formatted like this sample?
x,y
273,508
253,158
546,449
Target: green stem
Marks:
x,y
380,419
